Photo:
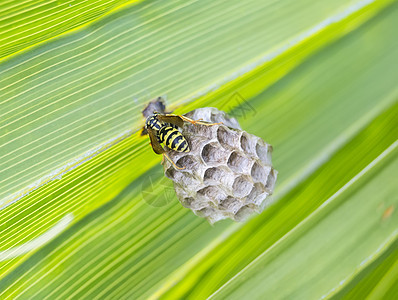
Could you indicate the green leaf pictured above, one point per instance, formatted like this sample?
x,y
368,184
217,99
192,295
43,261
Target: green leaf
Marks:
x,y
378,279
85,210
27,23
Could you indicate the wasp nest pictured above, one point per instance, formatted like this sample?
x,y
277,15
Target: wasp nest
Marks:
x,y
228,172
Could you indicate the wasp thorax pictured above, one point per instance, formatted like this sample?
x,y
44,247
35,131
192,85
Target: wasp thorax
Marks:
x,y
228,172
153,123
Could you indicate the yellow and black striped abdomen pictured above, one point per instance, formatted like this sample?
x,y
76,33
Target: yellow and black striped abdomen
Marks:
x,y
173,139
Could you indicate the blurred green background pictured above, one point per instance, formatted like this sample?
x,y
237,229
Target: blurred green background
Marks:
x,y
85,212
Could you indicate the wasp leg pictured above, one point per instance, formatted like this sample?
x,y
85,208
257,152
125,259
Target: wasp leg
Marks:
x,y
175,166
198,121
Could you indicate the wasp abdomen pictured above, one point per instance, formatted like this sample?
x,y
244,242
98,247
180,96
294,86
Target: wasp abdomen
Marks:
x,y
172,138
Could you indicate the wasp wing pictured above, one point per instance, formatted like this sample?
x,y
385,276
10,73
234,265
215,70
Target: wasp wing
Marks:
x,y
172,119
157,148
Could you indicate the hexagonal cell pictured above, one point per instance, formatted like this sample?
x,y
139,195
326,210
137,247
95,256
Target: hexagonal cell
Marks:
x,y
191,203
186,179
257,194
196,142
187,202
211,214
218,175
242,186
243,213
172,174
212,193
263,152
269,186
188,162
205,212
212,175
227,138
238,163
198,131
182,192
217,118
247,144
213,154
231,205
260,173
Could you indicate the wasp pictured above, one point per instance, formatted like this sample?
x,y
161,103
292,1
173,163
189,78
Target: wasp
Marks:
x,y
163,129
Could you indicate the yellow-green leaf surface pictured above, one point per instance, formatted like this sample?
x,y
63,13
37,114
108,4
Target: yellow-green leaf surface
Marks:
x,y
28,22
85,210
